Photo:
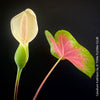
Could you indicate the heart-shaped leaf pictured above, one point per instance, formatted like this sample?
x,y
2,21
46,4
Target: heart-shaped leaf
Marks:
x,y
64,45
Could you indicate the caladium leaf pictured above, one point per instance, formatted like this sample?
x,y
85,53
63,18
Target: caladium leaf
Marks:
x,y
64,46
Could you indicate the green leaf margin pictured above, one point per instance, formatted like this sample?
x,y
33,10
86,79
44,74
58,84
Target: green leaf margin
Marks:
x,y
89,64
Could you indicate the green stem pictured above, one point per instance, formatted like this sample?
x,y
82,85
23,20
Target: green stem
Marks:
x,y
41,85
17,83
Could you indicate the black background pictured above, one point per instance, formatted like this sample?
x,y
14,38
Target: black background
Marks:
x,y
81,18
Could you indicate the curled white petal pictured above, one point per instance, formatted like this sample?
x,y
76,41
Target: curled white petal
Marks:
x,y
24,26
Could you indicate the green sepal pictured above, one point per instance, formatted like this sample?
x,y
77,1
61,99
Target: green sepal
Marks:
x,y
21,56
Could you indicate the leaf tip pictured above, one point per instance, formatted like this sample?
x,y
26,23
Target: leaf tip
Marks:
x,y
92,73
46,31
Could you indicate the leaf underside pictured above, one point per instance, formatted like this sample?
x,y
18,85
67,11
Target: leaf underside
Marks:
x,y
64,45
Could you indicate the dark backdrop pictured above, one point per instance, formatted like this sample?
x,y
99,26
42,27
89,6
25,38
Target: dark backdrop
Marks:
x,y
81,18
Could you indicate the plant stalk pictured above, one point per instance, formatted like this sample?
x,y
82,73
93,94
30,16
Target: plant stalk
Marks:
x,y
17,83
41,85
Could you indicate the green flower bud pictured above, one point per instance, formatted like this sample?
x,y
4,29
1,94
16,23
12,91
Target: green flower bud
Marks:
x,y
21,56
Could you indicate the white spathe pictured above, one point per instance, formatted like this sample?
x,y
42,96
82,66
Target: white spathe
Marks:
x,y
24,26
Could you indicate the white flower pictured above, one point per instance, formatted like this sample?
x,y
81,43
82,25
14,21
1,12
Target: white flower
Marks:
x,y
24,26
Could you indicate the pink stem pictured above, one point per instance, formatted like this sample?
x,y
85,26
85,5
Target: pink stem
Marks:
x,y
17,83
41,85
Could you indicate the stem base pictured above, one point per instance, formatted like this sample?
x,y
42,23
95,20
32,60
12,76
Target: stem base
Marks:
x,y
17,83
